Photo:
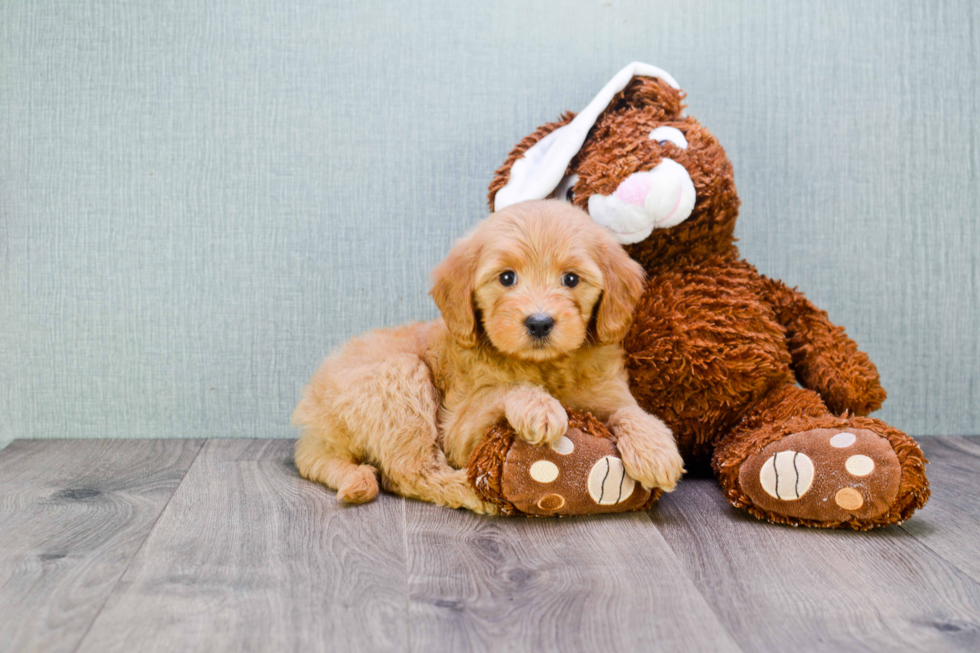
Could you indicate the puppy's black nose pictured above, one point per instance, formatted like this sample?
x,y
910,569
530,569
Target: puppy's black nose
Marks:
x,y
539,325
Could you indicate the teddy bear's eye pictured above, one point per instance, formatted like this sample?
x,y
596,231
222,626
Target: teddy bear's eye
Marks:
x,y
507,278
672,135
565,190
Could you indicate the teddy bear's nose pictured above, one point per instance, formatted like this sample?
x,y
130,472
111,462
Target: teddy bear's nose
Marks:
x,y
634,189
651,199
539,325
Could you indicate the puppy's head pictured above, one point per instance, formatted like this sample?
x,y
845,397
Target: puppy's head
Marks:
x,y
539,280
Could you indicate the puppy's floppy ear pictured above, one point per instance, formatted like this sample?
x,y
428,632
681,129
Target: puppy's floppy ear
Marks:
x,y
452,290
623,285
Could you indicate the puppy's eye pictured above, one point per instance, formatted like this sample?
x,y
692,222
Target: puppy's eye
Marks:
x,y
570,280
507,278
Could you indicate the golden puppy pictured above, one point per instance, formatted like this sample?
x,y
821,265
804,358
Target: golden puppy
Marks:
x,y
534,304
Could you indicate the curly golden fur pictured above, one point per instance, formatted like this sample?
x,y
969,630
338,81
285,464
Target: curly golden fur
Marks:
x,y
414,401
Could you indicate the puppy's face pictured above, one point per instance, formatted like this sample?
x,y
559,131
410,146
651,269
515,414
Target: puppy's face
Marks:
x,y
536,297
536,276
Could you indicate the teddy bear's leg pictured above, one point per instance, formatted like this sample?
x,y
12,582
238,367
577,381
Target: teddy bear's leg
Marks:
x,y
789,460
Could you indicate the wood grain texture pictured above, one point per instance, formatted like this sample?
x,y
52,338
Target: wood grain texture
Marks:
x,y
250,557
73,513
605,583
778,588
949,525
247,556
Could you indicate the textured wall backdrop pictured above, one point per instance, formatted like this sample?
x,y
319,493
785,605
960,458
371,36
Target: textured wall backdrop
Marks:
x,y
199,199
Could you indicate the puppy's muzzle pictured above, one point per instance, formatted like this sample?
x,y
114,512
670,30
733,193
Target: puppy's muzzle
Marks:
x,y
539,325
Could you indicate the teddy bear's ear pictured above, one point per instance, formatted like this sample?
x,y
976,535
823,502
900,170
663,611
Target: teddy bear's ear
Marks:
x,y
648,93
502,174
536,174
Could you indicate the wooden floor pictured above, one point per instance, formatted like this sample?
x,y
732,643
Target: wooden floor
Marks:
x,y
218,545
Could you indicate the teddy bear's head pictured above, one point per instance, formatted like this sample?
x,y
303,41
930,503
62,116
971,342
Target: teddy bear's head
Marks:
x,y
659,181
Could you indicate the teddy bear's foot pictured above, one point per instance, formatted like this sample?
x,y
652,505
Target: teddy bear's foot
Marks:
x,y
857,473
582,473
828,475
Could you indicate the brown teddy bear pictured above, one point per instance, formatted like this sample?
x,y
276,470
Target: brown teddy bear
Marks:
x,y
745,370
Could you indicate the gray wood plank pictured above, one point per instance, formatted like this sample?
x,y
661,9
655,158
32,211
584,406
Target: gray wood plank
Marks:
x,y
250,557
950,523
778,588
585,584
73,513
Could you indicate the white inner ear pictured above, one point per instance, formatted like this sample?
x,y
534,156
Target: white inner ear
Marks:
x,y
669,135
540,170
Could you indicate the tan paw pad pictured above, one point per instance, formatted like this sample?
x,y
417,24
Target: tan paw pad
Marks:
x,y
551,502
564,446
848,498
843,440
544,471
859,465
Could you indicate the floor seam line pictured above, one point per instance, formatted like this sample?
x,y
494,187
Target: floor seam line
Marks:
x,y
694,585
115,586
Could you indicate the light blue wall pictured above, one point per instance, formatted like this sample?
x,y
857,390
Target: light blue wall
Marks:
x,y
199,199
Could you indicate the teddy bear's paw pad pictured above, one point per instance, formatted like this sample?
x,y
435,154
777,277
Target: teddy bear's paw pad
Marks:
x,y
830,475
787,475
579,474
609,483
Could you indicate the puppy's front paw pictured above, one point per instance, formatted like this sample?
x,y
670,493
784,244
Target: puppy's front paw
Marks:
x,y
537,417
648,449
652,467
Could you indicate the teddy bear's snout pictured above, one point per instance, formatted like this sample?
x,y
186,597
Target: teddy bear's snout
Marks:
x,y
644,201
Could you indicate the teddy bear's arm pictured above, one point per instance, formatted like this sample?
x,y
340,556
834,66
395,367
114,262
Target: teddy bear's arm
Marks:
x,y
825,359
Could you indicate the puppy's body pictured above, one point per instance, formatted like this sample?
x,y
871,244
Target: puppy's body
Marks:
x,y
413,401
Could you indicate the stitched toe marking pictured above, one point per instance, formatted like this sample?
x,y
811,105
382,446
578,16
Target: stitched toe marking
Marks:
x,y
787,475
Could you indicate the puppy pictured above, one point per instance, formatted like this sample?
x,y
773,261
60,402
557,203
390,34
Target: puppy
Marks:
x,y
534,304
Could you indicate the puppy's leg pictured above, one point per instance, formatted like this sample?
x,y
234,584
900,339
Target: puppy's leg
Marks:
x,y
321,459
393,413
647,447
441,484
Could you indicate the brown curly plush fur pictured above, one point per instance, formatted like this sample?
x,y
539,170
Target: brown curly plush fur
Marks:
x,y
716,348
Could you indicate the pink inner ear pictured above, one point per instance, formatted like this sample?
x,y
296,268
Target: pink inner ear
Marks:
x,y
634,189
